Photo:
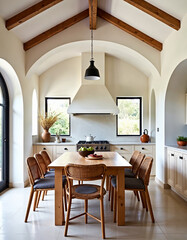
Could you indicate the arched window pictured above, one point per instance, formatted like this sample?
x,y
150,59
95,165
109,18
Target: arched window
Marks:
x,y
34,113
4,135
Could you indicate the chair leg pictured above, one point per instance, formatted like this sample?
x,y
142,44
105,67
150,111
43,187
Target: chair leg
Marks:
x,y
137,195
65,199
149,204
86,210
67,217
112,198
43,194
35,200
115,204
142,199
109,189
38,199
29,203
102,218
107,182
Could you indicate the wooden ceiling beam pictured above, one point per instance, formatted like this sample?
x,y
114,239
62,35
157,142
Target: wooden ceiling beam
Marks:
x,y
29,13
129,29
94,2
156,13
54,30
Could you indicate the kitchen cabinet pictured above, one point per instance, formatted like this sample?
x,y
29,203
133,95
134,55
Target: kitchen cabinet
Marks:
x,y
126,151
177,170
49,149
54,150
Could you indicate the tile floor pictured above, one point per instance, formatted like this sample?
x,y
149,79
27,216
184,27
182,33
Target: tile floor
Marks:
x,y
170,214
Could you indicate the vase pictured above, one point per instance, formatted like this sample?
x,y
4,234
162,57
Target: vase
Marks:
x,y
181,143
46,136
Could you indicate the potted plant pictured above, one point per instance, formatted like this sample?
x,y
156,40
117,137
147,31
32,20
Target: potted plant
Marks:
x,y
181,140
47,121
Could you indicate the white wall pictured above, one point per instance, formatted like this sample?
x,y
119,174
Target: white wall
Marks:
x,y
122,79
176,104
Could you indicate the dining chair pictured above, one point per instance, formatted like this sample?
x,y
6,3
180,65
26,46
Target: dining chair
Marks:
x,y
37,183
46,158
85,191
48,174
138,184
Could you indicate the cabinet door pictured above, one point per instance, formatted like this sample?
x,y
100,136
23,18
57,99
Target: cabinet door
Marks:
x,y
49,149
124,150
171,168
62,149
184,175
144,149
178,172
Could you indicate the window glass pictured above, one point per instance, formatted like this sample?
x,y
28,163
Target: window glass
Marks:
x,y
129,117
1,96
59,106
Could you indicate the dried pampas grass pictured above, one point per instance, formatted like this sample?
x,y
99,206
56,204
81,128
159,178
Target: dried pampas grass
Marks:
x,y
47,120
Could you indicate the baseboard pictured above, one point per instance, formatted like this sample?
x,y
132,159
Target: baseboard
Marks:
x,y
163,185
180,195
19,185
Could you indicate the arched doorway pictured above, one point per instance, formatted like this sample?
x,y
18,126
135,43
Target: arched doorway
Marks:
x,y
4,135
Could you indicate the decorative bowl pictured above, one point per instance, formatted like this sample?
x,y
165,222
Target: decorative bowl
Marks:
x,y
85,153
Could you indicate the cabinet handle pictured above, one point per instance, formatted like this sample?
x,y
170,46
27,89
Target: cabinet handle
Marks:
x,y
121,148
180,157
44,148
143,148
172,154
65,148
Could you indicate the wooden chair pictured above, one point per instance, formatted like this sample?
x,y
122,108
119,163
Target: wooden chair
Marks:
x,y
132,161
85,191
46,158
37,183
48,174
138,184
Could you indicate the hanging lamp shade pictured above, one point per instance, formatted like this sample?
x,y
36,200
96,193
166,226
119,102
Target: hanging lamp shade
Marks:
x,y
92,73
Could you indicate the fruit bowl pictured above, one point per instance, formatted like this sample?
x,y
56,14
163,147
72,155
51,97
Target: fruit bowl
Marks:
x,y
85,153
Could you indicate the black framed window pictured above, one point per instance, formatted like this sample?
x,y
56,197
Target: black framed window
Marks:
x,y
4,135
58,105
129,119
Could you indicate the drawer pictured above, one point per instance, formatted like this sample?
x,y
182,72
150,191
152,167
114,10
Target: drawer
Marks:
x,y
123,149
144,148
62,149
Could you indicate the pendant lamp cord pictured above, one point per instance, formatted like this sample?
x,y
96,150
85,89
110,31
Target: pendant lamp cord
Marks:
x,y
92,31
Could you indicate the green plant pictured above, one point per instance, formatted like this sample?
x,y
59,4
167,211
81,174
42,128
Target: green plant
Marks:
x,y
182,138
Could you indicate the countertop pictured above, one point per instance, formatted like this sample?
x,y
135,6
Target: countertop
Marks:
x,y
74,143
178,148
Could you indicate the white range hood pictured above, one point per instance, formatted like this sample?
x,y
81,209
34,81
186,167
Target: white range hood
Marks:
x,y
93,96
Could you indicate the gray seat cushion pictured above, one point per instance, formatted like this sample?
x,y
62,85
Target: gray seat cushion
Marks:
x,y
48,182
129,173
85,189
130,183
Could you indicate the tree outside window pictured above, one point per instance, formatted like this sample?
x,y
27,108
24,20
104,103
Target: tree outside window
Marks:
x,y
129,118
59,106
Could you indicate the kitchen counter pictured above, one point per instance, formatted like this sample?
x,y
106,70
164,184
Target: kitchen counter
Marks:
x,y
130,143
55,144
178,148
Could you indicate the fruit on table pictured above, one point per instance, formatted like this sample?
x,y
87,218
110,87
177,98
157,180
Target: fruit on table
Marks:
x,y
95,155
86,149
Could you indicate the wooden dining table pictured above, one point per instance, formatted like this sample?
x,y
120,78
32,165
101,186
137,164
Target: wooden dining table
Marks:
x,y
115,164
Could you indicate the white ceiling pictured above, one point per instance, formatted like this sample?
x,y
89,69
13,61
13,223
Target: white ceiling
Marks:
x,y
68,8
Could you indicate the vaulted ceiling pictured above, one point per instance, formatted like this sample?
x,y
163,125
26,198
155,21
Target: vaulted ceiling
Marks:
x,y
150,21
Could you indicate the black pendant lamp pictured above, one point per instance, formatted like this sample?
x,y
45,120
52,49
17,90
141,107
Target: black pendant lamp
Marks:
x,y
92,73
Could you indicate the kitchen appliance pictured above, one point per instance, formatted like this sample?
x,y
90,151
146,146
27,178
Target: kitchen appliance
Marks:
x,y
99,146
89,138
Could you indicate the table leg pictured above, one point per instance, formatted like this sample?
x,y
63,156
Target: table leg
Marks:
x,y
120,198
59,206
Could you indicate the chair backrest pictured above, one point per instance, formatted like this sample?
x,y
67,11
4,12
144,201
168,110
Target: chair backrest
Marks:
x,y
85,172
134,157
45,157
137,163
145,170
41,163
33,170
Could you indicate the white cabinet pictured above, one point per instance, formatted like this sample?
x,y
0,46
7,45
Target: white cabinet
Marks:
x,y
54,151
49,149
177,170
126,151
59,150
